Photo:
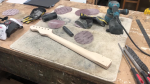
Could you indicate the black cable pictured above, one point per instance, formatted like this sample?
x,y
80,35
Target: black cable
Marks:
x,y
129,36
5,18
95,2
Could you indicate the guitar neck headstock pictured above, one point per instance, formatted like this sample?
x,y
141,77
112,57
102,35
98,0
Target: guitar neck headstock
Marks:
x,y
41,30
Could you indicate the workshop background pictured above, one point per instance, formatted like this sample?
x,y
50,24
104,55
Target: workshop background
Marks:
x,y
143,4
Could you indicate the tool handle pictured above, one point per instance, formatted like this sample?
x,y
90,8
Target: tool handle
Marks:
x,y
146,77
49,16
124,11
137,77
68,31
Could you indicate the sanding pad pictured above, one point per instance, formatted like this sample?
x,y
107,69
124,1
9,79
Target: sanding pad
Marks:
x,y
54,24
83,37
93,11
84,11
77,25
10,12
63,10
87,12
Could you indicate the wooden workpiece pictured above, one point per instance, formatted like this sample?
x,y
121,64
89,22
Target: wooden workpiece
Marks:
x,y
95,57
124,74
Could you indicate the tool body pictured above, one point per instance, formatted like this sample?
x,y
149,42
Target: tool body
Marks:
x,y
115,26
34,15
147,79
3,34
97,20
137,77
147,11
49,16
113,11
112,15
9,27
12,25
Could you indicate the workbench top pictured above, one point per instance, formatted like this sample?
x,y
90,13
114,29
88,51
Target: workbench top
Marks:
x,y
124,74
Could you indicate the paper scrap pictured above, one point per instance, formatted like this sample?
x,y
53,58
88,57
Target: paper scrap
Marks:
x,y
17,1
81,1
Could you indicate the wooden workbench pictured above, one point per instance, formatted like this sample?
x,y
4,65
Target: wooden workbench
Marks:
x,y
124,74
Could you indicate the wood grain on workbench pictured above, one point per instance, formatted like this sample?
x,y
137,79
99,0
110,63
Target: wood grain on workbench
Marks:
x,y
124,74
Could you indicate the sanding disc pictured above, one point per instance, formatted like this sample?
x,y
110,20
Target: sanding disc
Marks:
x,y
63,10
84,11
93,11
10,12
83,37
54,24
77,25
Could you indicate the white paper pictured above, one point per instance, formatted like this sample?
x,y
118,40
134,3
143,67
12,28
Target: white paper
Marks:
x,y
17,1
81,1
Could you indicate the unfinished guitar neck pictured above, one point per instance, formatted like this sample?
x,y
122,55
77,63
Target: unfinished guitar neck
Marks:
x,y
92,56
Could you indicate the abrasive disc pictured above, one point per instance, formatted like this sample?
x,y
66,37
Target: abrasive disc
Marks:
x,y
83,37
93,11
10,12
77,25
63,10
84,11
54,24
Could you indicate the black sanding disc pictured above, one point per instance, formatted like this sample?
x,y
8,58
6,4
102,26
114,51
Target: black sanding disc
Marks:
x,y
63,10
83,37
54,24
84,11
93,11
